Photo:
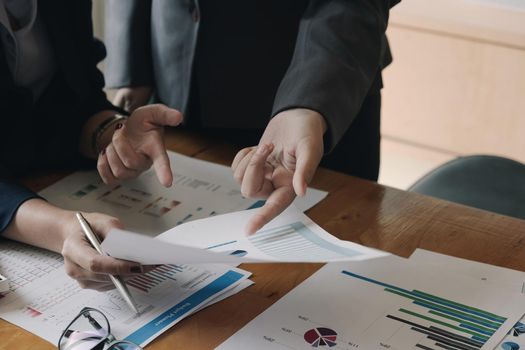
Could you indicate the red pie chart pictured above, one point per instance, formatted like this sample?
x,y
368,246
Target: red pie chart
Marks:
x,y
321,336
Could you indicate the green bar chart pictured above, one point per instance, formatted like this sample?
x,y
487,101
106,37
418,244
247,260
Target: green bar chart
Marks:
x,y
450,325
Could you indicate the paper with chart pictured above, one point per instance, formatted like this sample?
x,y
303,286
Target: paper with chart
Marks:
x,y
386,303
290,237
44,300
200,189
511,279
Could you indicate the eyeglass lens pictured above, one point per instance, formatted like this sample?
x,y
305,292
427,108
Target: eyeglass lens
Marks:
x,y
90,331
87,332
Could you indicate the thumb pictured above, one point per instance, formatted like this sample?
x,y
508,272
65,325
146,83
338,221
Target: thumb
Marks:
x,y
306,164
160,115
102,224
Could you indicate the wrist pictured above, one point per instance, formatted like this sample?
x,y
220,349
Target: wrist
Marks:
x,y
317,117
67,223
41,224
104,132
96,133
301,113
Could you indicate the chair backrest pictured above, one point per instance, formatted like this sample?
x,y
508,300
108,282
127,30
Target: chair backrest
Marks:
x,y
486,182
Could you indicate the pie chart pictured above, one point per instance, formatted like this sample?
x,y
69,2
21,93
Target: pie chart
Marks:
x,y
510,346
239,253
518,329
322,336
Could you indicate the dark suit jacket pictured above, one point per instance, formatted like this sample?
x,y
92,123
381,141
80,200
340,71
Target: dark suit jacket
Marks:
x,y
265,56
45,133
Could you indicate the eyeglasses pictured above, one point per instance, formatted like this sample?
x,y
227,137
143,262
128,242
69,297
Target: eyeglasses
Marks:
x,y
90,330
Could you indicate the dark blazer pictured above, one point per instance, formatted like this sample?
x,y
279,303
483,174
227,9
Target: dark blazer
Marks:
x,y
45,133
325,55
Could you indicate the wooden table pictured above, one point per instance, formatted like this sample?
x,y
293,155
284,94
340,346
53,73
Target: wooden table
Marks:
x,y
356,210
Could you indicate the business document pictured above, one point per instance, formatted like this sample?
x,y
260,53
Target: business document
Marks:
x,y
512,280
200,189
43,299
290,237
385,303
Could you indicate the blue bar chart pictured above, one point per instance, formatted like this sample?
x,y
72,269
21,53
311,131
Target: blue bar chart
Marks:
x,y
295,241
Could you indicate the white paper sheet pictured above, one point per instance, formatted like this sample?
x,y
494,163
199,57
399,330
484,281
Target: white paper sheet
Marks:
x,y
200,189
386,303
43,300
290,237
512,279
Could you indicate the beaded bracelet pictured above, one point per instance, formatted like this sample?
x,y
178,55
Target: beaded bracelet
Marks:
x,y
102,127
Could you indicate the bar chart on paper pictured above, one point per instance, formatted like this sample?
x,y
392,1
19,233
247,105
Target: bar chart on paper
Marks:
x,y
153,278
347,307
294,241
44,300
200,189
440,323
289,242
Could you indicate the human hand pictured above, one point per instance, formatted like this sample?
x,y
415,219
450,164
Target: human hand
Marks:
x,y
83,263
131,98
283,163
138,143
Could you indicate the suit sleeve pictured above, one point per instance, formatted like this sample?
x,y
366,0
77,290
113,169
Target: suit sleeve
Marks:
x,y
12,196
128,39
338,54
82,57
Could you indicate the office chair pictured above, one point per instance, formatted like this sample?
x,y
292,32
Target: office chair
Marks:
x,y
486,182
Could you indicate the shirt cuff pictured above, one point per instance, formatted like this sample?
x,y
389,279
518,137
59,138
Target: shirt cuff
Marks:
x,y
12,196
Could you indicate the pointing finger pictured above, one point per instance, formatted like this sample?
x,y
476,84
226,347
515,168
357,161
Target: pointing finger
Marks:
x,y
161,163
279,200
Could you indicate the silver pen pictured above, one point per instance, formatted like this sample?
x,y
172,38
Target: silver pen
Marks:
x,y
117,280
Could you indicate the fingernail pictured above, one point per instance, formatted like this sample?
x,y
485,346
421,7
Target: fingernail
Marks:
x,y
262,149
136,269
119,126
103,151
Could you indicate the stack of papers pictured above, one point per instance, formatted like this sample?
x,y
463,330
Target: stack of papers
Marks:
x,y
44,300
200,189
290,237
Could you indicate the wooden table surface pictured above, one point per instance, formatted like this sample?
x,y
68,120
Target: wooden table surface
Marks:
x,y
356,210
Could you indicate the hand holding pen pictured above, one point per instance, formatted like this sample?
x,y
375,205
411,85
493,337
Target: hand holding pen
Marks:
x,y
84,264
115,279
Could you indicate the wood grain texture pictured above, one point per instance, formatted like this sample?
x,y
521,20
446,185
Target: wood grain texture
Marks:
x,y
356,210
